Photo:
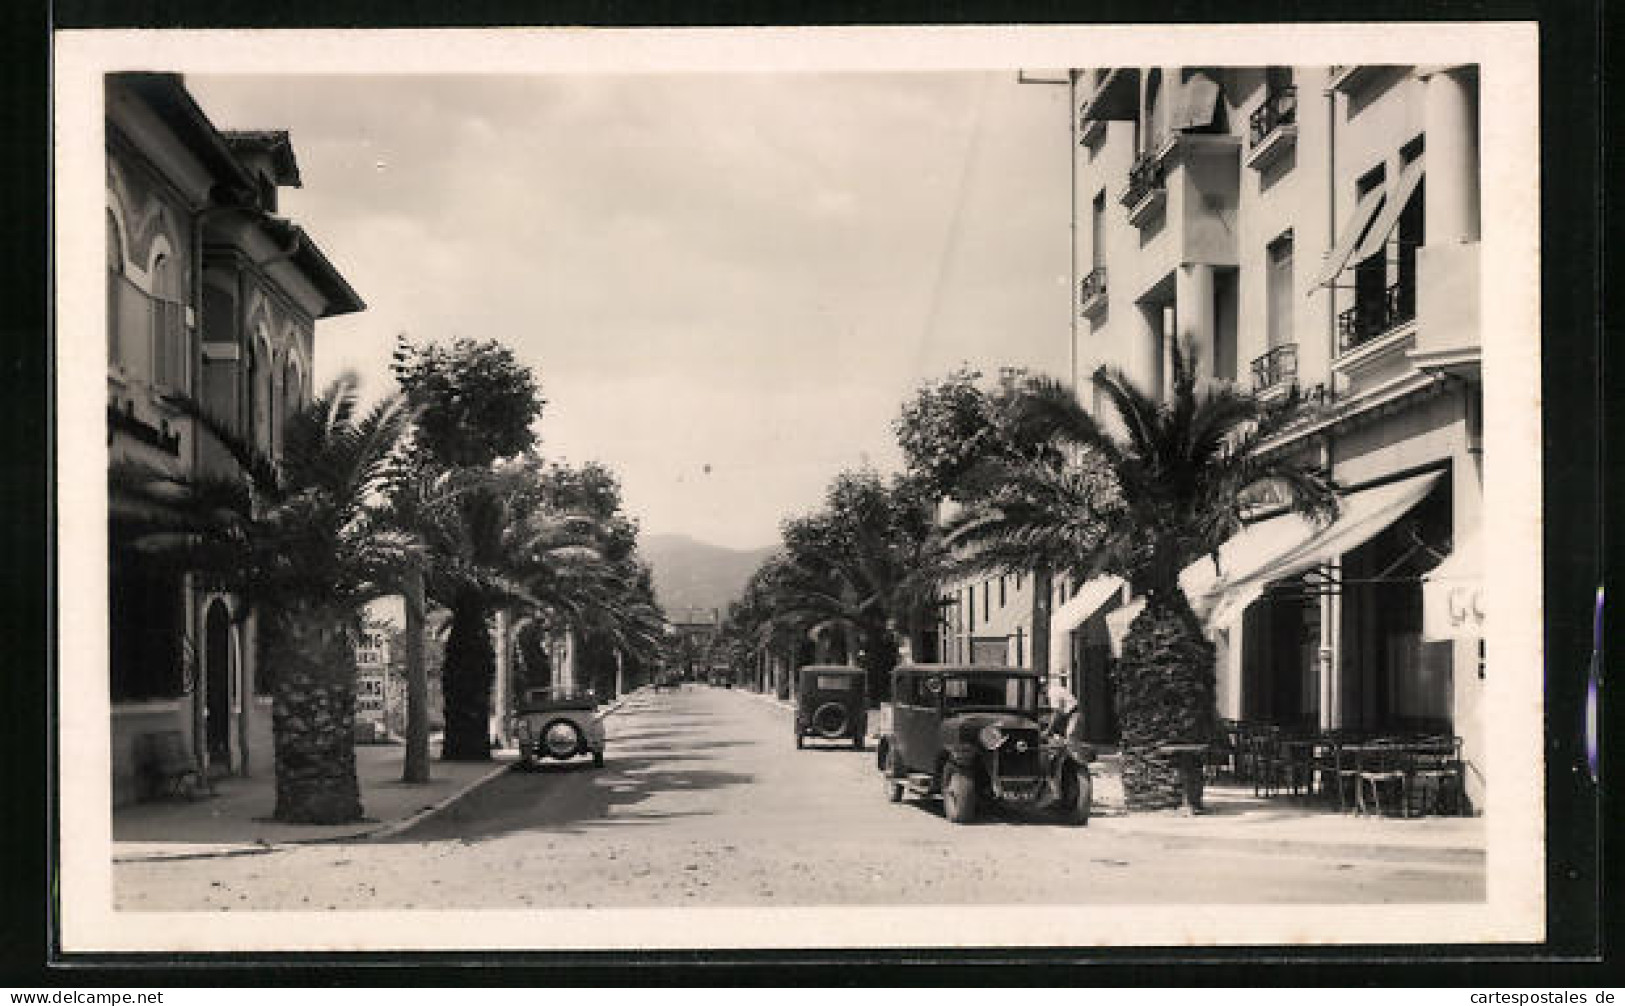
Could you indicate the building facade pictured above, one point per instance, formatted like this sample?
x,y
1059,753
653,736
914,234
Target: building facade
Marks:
x,y
212,300
1317,228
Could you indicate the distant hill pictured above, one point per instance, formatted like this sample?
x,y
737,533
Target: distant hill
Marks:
x,y
693,574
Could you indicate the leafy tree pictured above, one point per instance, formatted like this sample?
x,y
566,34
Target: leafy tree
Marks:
x,y
1185,472
476,402
292,537
968,444
860,572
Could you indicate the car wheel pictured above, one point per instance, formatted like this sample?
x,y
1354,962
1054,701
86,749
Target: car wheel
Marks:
x,y
800,741
830,720
598,759
857,742
561,738
1077,793
958,794
892,776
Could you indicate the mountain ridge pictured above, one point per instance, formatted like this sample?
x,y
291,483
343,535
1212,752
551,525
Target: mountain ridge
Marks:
x,y
690,573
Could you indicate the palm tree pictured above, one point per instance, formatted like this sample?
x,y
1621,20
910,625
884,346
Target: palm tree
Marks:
x,y
1185,471
292,538
864,572
489,543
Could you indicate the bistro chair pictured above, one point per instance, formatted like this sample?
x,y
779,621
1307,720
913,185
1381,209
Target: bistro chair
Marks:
x,y
1438,776
1383,766
1266,762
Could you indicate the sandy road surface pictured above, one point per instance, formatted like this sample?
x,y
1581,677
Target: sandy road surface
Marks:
x,y
705,801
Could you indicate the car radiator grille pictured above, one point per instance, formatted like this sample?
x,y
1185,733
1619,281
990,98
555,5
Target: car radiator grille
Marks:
x,y
1012,762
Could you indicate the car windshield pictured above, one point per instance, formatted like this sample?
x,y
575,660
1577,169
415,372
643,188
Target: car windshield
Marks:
x,y
835,682
557,693
991,691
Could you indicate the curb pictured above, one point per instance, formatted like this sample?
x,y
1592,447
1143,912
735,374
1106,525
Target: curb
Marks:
x,y
381,830
407,823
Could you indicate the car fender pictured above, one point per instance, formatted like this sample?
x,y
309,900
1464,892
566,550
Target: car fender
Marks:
x,y
962,755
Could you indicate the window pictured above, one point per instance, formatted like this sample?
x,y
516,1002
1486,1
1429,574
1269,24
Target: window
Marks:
x,y
1001,592
1371,273
1278,291
115,281
970,609
1097,230
169,342
292,397
146,619
987,600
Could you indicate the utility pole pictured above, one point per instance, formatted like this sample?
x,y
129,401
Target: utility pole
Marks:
x,y
1071,85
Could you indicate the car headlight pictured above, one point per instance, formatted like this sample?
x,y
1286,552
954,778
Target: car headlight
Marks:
x,y
991,736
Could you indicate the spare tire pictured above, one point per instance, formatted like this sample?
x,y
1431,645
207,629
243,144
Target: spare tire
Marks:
x,y
830,720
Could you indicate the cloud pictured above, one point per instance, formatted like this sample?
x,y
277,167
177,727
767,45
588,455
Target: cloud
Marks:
x,y
745,271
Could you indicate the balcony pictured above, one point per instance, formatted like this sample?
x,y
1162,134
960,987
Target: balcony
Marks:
x,y
1276,370
1147,189
1091,130
1351,79
1368,320
1272,128
1092,292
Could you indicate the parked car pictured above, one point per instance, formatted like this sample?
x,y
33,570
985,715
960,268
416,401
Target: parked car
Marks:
x,y
558,723
831,704
972,736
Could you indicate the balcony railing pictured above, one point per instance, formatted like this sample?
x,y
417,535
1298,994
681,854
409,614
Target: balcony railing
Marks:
x,y
1144,178
1368,319
1280,108
1092,290
1278,366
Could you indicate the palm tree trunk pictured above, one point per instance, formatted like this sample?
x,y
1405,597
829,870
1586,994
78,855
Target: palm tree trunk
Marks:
x,y
879,660
313,720
417,684
1043,599
466,678
1165,695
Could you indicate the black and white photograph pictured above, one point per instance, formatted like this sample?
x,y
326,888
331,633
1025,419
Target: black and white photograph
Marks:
x,y
766,488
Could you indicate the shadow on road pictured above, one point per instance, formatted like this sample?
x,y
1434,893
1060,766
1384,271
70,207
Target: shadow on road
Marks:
x,y
566,799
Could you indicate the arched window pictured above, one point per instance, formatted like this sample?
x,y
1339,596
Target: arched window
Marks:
x,y
115,286
259,385
169,343
292,392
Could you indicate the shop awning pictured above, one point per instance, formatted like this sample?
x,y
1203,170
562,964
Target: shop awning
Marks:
x,y
1363,516
1279,547
1452,595
1349,236
1382,227
1090,598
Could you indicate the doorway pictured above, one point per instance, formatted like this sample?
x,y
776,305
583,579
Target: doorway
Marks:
x,y
217,685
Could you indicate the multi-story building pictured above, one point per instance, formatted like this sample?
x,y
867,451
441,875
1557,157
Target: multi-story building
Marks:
x,y
212,298
1317,228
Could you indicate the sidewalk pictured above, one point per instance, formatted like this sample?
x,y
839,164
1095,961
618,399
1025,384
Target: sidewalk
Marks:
x,y
236,819
1237,818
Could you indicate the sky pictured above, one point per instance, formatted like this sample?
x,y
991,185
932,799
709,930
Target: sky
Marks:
x,y
726,284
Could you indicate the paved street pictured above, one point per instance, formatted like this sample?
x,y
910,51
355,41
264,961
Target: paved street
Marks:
x,y
704,801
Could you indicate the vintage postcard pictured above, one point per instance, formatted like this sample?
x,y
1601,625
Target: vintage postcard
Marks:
x,y
799,488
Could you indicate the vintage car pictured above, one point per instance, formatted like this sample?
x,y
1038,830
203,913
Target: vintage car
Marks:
x,y
558,723
973,736
831,704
